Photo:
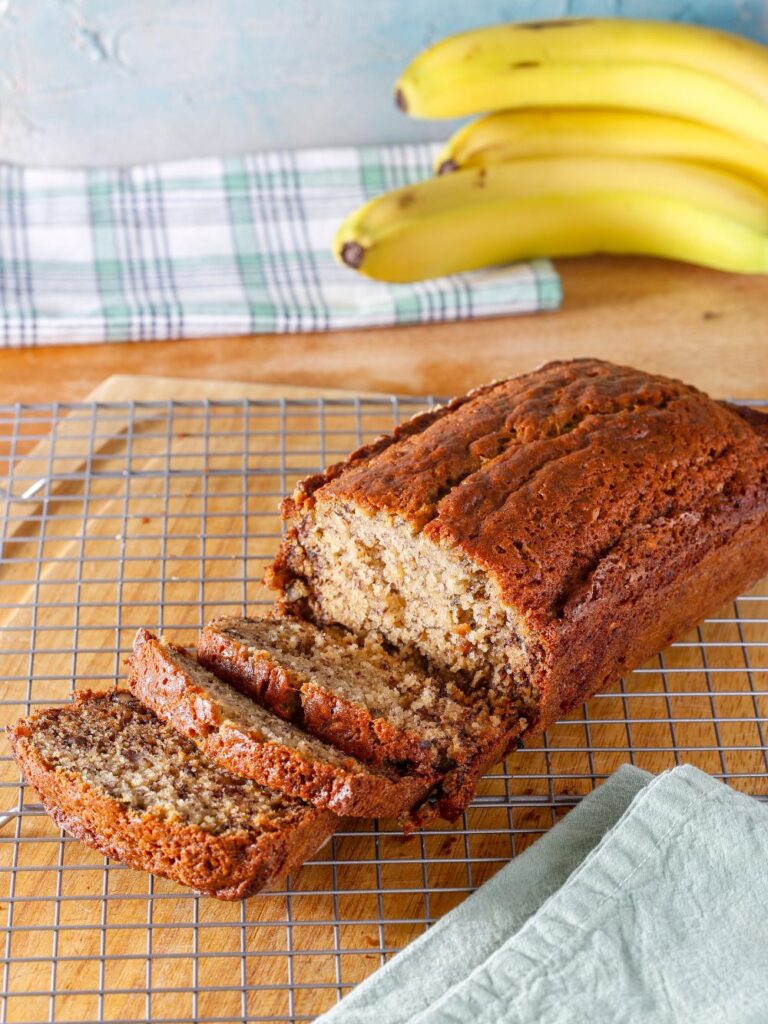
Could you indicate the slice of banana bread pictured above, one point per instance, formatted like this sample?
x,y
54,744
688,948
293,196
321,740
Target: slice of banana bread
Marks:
x,y
116,777
539,536
245,738
381,707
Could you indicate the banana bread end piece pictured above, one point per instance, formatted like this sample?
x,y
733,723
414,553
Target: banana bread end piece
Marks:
x,y
114,776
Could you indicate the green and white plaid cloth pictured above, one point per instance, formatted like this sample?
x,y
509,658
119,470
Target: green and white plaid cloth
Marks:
x,y
219,246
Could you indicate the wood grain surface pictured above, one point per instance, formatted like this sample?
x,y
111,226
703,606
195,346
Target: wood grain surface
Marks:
x,y
86,942
703,326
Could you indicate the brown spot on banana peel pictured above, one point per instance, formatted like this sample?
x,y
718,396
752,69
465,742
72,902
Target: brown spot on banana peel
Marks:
x,y
479,181
352,254
447,167
537,26
405,200
525,64
400,100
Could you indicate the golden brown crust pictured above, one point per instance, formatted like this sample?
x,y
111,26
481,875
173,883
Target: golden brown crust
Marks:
x,y
640,601
228,866
161,679
756,418
362,455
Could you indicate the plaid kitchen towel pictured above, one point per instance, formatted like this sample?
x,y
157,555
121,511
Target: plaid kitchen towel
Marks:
x,y
220,246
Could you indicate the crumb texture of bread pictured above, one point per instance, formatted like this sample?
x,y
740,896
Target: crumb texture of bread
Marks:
x,y
382,707
115,776
251,741
539,536
394,693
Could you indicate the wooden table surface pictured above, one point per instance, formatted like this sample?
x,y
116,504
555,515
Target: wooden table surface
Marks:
x,y
706,327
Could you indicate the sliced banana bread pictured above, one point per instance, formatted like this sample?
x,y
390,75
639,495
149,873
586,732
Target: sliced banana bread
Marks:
x,y
539,536
381,707
116,777
245,738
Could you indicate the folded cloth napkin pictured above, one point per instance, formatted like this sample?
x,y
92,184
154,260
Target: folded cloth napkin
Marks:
x,y
220,246
647,903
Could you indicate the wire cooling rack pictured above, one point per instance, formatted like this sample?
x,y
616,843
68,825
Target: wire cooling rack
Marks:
x,y
163,514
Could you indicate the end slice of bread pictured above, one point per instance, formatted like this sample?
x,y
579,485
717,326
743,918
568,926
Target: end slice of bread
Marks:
x,y
113,775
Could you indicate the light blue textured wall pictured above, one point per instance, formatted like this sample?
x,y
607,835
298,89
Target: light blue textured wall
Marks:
x,y
105,81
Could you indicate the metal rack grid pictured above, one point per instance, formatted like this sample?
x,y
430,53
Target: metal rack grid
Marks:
x,y
161,514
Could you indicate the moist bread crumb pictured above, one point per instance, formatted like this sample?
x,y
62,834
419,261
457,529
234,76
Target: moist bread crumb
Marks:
x,y
116,777
383,708
251,741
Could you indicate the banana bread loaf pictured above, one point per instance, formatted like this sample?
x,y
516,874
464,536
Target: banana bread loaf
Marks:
x,y
113,775
539,536
248,740
379,706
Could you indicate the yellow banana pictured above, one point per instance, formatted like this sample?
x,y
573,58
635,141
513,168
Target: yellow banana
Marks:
x,y
661,88
519,134
435,77
558,207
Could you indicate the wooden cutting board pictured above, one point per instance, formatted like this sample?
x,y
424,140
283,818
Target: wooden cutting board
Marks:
x,y
385,885
135,387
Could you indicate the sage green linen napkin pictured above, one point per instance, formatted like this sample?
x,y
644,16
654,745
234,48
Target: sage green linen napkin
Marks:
x,y
465,938
657,914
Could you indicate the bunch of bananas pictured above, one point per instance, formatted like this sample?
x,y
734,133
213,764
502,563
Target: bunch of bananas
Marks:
x,y
611,136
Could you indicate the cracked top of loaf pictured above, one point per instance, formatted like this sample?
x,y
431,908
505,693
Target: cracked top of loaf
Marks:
x,y
544,480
